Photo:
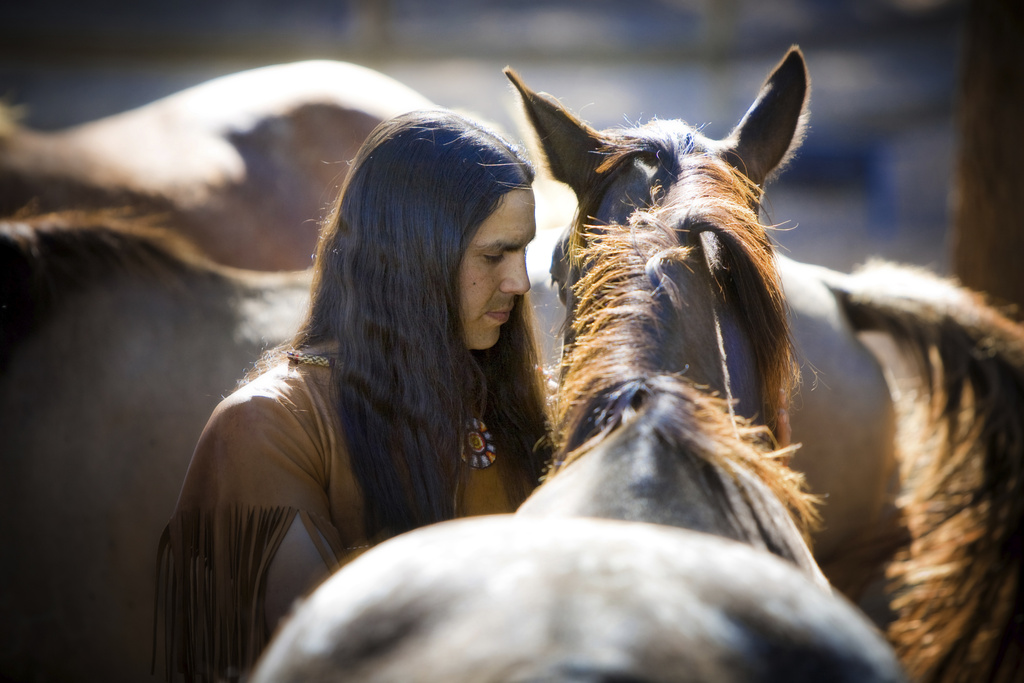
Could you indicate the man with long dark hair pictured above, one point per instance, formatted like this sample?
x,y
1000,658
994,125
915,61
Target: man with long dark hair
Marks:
x,y
411,393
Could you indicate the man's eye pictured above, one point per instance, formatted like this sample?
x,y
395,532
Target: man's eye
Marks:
x,y
493,258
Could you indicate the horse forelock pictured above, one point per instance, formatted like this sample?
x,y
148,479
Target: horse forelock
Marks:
x,y
663,142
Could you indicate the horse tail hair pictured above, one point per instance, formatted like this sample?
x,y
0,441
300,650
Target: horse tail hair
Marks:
x,y
958,600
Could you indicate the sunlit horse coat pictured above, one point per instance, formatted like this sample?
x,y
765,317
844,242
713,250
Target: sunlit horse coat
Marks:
x,y
243,165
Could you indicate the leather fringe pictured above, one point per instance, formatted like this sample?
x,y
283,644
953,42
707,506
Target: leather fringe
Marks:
x,y
211,589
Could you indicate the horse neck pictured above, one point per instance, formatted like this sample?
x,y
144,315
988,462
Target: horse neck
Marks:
x,y
675,458
648,305
704,335
616,333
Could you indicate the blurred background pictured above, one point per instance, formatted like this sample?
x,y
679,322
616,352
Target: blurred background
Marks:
x,y
873,176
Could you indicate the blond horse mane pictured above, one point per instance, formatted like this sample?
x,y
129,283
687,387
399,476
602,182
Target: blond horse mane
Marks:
x,y
616,342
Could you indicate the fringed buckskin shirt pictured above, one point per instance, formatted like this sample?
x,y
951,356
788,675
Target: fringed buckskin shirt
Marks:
x,y
269,453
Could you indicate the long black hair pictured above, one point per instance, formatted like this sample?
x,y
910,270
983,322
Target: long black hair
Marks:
x,y
386,292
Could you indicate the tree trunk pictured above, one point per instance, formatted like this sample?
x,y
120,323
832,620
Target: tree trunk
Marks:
x,y
988,204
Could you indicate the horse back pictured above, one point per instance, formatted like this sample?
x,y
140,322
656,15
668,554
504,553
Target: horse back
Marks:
x,y
244,165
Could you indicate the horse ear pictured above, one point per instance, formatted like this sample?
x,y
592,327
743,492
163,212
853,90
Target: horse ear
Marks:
x,y
773,127
568,146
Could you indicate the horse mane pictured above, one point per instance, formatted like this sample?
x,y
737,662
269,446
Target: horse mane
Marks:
x,y
49,258
960,605
718,198
611,371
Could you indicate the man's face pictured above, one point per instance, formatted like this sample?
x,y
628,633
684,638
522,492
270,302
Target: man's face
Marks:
x,y
493,269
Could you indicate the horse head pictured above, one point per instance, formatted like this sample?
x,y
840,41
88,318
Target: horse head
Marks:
x,y
732,334
676,319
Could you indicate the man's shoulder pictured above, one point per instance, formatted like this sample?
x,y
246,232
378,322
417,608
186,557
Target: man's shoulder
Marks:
x,y
282,387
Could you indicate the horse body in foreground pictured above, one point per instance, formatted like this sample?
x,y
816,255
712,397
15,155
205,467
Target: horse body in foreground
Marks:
x,y
937,511
115,346
244,165
508,598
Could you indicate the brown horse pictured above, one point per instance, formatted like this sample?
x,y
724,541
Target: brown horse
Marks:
x,y
957,591
509,598
243,165
115,346
956,607
613,172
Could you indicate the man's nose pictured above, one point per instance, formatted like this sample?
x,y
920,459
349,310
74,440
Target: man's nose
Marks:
x,y
517,281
